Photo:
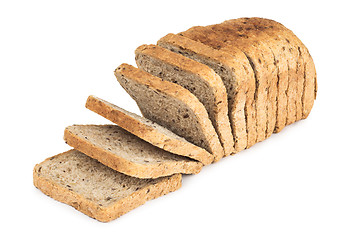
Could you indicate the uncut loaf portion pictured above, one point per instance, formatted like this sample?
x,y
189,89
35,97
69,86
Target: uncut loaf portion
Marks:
x,y
94,189
196,77
124,152
277,89
171,106
148,130
302,86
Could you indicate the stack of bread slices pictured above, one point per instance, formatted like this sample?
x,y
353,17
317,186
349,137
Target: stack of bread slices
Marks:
x,y
204,94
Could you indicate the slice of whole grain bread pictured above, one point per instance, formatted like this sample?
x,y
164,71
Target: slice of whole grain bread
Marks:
x,y
234,76
94,189
171,106
196,77
148,130
120,150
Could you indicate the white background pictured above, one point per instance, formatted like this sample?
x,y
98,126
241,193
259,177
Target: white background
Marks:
x,y
303,183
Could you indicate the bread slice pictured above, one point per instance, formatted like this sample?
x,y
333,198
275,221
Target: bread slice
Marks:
x,y
148,130
94,189
198,78
120,150
253,51
171,106
235,77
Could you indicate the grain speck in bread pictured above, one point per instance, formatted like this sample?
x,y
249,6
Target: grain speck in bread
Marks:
x,y
94,189
148,130
171,106
196,77
124,152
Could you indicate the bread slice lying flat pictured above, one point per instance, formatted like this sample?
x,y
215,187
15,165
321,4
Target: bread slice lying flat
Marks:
x,y
196,77
171,106
94,189
236,76
148,130
120,150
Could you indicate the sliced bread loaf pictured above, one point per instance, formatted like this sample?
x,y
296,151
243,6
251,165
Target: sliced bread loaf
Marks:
x,y
171,106
120,150
282,54
94,189
249,42
255,55
309,83
235,77
148,130
283,51
277,60
196,77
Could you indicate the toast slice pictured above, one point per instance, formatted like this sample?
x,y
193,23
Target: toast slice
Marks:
x,y
235,77
196,77
148,130
120,150
94,189
171,106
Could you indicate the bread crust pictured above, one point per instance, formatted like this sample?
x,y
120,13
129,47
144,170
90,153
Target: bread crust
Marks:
x,y
147,132
176,91
127,166
237,88
94,210
217,107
